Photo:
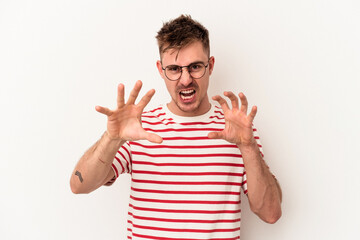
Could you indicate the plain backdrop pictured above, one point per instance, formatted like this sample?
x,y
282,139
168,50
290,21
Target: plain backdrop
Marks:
x,y
298,61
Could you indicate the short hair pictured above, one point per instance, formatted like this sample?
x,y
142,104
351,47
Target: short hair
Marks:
x,y
180,32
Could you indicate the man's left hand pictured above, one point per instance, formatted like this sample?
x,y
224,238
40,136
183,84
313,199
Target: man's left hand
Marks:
x,y
238,125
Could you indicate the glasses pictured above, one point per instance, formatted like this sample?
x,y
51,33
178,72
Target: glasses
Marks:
x,y
196,70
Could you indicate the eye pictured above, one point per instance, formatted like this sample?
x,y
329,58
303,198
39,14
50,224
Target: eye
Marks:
x,y
196,67
173,68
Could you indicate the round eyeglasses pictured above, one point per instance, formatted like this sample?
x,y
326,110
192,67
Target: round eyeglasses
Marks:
x,y
196,70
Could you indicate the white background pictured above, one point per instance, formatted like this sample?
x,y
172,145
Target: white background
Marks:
x,y
298,61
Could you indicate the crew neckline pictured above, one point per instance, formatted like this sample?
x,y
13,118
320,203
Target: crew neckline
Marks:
x,y
178,118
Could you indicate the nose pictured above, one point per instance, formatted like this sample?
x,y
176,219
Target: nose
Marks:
x,y
185,78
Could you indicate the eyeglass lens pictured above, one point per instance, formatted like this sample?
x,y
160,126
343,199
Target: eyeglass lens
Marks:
x,y
174,72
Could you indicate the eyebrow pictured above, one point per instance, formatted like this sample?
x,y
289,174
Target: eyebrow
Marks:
x,y
185,65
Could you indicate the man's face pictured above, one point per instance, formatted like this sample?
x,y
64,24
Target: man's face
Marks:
x,y
188,96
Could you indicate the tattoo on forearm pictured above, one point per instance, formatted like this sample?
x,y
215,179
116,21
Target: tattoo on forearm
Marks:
x,y
77,173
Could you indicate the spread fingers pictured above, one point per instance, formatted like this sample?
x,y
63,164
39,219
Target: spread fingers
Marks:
x,y
233,98
244,103
103,110
120,96
222,102
134,92
146,99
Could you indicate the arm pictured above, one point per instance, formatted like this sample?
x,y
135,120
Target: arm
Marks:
x,y
124,124
94,167
264,192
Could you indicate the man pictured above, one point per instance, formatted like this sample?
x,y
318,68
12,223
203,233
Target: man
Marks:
x,y
188,159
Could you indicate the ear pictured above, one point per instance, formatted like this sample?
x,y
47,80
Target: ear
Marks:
x,y
211,64
159,67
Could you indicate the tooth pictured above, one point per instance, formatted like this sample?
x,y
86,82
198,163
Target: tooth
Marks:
x,y
187,91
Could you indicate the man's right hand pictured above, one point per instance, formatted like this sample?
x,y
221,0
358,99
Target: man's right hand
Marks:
x,y
124,123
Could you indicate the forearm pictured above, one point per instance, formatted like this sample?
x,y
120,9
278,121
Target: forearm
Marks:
x,y
263,190
95,165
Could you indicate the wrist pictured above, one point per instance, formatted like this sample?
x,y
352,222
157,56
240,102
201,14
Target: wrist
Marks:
x,y
251,154
248,146
113,140
250,150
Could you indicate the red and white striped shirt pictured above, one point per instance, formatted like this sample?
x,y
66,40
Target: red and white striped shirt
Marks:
x,y
188,187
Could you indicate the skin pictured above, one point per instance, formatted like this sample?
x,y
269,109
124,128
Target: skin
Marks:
x,y
264,192
187,55
124,124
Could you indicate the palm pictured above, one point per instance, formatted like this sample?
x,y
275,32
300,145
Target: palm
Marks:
x,y
124,122
238,125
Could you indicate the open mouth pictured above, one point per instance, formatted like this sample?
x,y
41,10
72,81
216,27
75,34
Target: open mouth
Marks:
x,y
187,94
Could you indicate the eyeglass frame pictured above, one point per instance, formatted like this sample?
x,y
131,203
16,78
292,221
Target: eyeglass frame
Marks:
x,y
181,71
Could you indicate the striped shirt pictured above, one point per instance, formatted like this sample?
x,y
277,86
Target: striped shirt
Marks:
x,y
188,187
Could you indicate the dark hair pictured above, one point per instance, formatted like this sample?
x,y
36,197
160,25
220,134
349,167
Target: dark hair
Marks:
x,y
180,32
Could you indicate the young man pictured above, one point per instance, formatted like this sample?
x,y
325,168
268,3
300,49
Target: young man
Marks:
x,y
188,159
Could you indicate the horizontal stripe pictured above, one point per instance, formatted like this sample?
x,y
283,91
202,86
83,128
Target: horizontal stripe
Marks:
x,y
187,138
220,118
186,230
185,220
201,123
158,123
185,210
184,146
189,173
219,113
188,155
154,110
182,201
185,183
190,164
184,192
166,238
195,138
156,116
183,129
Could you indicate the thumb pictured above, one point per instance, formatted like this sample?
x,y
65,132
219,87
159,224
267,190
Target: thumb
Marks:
x,y
103,110
215,135
154,138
